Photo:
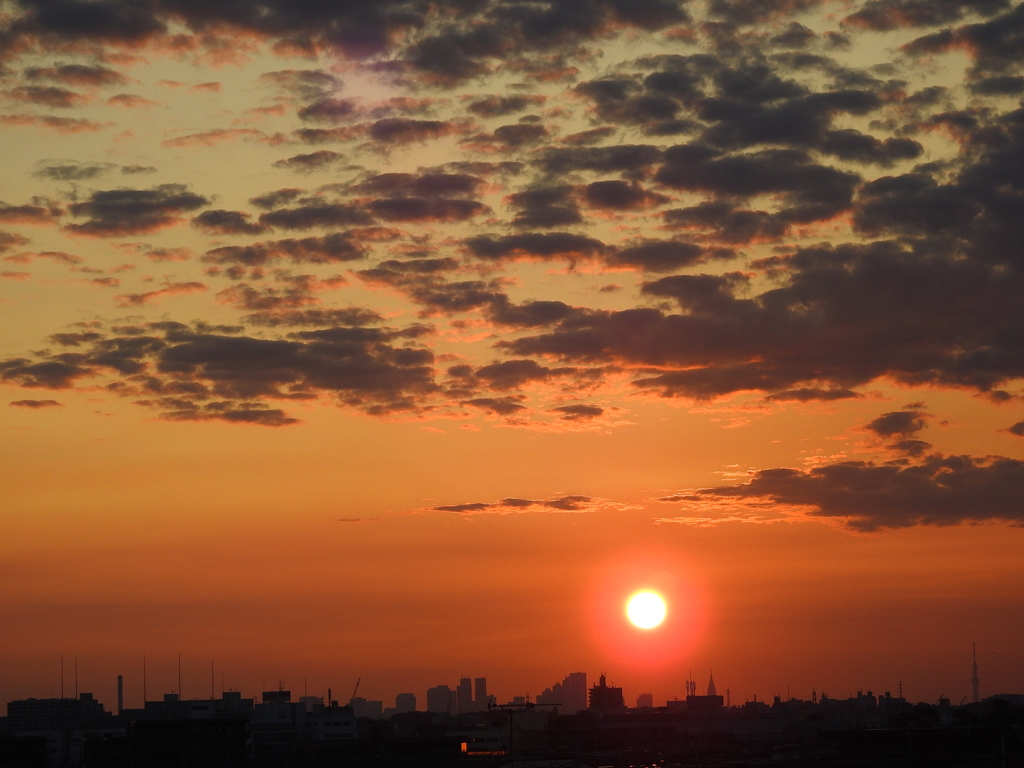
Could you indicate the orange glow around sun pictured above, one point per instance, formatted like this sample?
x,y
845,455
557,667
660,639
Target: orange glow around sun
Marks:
x,y
646,610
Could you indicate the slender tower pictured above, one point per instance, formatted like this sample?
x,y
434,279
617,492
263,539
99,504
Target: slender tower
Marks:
x,y
974,671
120,694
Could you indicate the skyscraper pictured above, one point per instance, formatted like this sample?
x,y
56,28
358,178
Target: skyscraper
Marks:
x,y
711,686
406,702
974,672
481,699
439,699
464,695
570,695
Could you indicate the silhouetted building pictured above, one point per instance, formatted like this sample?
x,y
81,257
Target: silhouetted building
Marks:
x,y
275,697
481,699
405,702
711,686
363,708
570,695
645,701
464,696
439,699
605,698
65,724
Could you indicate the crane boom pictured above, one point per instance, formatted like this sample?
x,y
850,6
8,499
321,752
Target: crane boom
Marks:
x,y
355,690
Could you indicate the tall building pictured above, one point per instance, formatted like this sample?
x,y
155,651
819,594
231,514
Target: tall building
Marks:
x,y
645,701
974,672
604,697
711,686
481,699
405,702
570,695
464,696
439,699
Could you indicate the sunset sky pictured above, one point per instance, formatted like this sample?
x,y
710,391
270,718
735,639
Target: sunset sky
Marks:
x,y
405,340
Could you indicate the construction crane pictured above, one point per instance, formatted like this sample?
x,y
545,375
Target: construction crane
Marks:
x,y
355,691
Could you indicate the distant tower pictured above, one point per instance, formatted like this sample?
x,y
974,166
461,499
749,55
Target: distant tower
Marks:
x,y
120,694
711,686
974,672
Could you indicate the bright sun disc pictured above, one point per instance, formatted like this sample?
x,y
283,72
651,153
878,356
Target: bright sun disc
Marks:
x,y
646,610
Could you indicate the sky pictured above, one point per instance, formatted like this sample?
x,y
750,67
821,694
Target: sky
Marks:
x,y
403,341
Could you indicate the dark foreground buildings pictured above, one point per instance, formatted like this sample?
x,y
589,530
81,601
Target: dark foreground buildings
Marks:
x,y
235,732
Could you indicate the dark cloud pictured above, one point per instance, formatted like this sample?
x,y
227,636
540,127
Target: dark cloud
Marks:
x,y
76,74
335,247
120,212
313,161
221,222
134,170
862,148
627,159
316,214
532,245
499,106
884,15
327,111
1017,429
305,84
939,490
621,196
74,171
567,503
809,394
11,240
39,211
47,96
845,316
407,209
35,404
727,223
546,207
659,255
579,412
514,374
401,130
425,184
192,374
316,318
500,406
811,191
271,200
756,11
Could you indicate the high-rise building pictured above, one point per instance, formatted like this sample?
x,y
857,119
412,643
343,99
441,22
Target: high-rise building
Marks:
x,y
570,695
604,697
974,672
464,695
645,701
405,702
481,699
711,686
439,699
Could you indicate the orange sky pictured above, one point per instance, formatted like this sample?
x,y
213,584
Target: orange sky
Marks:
x,y
335,351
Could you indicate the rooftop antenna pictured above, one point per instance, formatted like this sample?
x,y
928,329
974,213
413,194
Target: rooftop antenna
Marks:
x,y
143,681
180,697
62,675
974,671
213,682
76,679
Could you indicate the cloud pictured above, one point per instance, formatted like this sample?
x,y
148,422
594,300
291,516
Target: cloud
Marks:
x,y
40,211
35,404
11,240
499,106
885,15
328,110
76,74
191,373
64,125
47,96
513,506
214,137
120,212
73,171
313,161
316,214
335,247
400,130
865,496
221,222
169,289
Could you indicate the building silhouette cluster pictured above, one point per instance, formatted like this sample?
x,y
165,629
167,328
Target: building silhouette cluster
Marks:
x,y
568,724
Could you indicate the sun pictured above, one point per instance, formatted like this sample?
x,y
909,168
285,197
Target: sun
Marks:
x,y
646,609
